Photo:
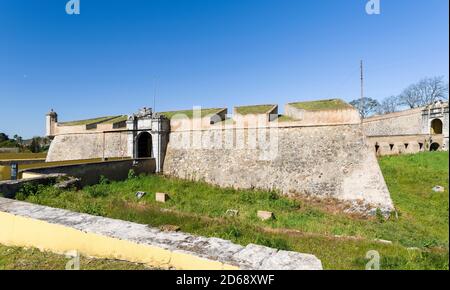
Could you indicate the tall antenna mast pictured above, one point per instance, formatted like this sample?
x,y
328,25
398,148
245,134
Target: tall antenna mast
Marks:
x,y
362,89
154,94
362,80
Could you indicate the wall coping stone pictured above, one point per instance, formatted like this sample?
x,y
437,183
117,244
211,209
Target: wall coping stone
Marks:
x,y
251,257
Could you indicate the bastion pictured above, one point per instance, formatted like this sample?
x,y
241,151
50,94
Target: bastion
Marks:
x,y
317,149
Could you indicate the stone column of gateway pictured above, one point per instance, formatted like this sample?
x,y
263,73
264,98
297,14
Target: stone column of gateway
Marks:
x,y
148,135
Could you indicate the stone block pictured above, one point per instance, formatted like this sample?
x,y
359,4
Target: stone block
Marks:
x,y
265,215
162,197
169,228
70,183
438,188
232,212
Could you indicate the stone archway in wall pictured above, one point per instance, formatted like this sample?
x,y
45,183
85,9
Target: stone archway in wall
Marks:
x,y
144,145
435,146
436,127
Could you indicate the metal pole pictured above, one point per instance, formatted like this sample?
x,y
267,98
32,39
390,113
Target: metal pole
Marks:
x,y
362,89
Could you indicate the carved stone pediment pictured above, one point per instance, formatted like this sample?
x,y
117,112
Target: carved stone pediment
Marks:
x,y
142,113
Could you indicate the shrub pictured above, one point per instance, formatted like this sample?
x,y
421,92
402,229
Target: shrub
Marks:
x,y
379,215
131,174
93,209
233,232
103,180
276,243
29,189
272,195
97,190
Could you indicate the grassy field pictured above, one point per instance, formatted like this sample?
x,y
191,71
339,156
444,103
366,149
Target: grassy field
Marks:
x,y
190,113
322,105
118,119
13,258
5,170
10,156
284,118
88,121
419,236
258,109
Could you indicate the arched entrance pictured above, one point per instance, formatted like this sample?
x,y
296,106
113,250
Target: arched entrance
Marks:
x,y
435,147
144,145
436,126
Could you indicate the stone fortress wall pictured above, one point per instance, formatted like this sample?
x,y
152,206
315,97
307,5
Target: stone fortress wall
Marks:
x,y
89,139
327,117
329,162
409,131
92,145
400,123
295,157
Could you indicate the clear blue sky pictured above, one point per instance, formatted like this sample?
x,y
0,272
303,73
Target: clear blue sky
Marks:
x,y
213,53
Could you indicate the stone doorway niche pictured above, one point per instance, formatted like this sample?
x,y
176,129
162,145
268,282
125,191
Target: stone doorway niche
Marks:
x,y
436,127
144,145
435,147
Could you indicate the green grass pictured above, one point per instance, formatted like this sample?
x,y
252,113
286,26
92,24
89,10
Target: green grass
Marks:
x,y
410,179
10,156
8,144
190,113
88,121
284,118
303,226
14,258
322,105
118,119
254,110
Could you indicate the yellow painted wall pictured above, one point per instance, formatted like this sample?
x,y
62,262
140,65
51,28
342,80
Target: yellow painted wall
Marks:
x,y
5,172
20,231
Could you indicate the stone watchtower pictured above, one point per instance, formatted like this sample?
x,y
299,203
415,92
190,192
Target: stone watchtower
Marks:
x,y
148,135
50,123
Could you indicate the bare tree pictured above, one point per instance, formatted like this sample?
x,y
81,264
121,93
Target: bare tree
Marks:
x,y
389,105
365,106
424,92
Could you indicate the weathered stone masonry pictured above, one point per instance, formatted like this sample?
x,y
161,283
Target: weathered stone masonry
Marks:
x,y
328,161
410,131
297,157
88,146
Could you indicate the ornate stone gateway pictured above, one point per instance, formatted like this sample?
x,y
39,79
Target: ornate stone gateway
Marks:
x,y
148,135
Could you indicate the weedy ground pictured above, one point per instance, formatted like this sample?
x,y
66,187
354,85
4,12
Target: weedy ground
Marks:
x,y
419,234
13,258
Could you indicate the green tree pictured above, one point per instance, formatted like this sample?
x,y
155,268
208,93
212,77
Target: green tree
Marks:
x,y
35,145
3,137
365,106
